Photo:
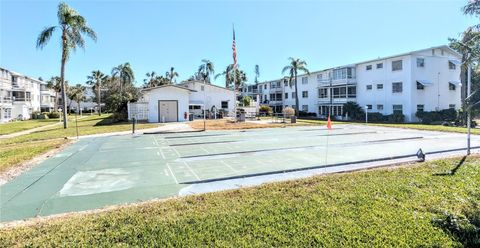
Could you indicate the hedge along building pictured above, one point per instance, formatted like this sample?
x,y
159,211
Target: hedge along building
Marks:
x,y
422,80
175,103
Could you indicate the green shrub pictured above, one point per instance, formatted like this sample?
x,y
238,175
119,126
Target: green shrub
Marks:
x,y
36,114
54,115
437,116
354,111
395,118
376,117
265,109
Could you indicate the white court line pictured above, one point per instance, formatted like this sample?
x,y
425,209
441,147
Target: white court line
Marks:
x,y
173,175
161,152
205,150
190,169
223,162
166,172
175,150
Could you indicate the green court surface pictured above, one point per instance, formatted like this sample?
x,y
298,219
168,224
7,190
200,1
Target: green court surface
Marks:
x,y
101,171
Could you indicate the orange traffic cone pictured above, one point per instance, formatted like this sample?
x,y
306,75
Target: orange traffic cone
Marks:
x,y
329,123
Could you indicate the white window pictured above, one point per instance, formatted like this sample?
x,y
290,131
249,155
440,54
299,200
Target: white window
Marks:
x,y
322,93
319,77
304,94
420,86
397,87
397,108
451,65
420,62
7,113
305,108
397,65
379,86
369,67
304,80
420,107
451,86
369,86
379,106
286,95
224,104
451,106
379,65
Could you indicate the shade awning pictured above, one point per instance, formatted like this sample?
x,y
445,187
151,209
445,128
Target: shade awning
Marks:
x,y
454,61
424,82
456,83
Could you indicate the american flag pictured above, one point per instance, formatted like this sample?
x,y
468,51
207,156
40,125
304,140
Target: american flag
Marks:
x,y
234,48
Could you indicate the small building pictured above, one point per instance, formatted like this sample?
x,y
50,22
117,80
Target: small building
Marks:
x,y
177,102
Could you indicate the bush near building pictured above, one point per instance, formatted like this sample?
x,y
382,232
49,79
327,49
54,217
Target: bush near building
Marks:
x,y
430,117
265,109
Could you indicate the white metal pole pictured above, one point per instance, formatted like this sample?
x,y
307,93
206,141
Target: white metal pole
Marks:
x,y
366,114
204,105
469,117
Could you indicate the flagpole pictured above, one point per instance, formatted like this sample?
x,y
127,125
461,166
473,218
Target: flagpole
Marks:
x,y
234,75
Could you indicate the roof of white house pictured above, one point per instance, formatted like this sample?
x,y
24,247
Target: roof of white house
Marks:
x,y
201,82
168,85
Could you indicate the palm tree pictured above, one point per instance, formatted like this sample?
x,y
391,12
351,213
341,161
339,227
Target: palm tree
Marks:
x,y
77,94
472,8
73,26
294,66
172,74
97,80
239,78
257,73
206,69
227,73
469,46
125,73
55,83
150,81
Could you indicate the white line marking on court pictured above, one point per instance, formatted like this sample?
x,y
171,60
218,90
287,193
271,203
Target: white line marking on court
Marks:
x,y
223,162
190,169
158,153
173,175
205,150
161,152
175,150
166,172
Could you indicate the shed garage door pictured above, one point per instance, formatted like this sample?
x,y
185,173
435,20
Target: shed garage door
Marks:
x,y
167,110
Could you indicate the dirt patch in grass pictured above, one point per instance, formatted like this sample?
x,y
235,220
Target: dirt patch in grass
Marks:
x,y
227,124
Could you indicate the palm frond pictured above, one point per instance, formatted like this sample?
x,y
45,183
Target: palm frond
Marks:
x,y
45,36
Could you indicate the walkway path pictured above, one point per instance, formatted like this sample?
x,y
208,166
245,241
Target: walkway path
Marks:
x,y
32,130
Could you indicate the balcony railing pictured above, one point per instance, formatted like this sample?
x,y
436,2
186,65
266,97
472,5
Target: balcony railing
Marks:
x,y
22,99
5,99
336,100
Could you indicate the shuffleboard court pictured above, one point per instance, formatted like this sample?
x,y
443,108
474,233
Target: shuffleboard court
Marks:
x,y
100,171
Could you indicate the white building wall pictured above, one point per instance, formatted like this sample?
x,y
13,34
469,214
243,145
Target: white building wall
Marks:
x,y
214,95
166,93
386,77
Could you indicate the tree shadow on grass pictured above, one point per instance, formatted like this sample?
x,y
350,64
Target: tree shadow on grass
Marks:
x,y
464,228
454,170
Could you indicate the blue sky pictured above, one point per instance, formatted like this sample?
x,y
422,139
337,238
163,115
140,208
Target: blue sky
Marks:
x,y
155,35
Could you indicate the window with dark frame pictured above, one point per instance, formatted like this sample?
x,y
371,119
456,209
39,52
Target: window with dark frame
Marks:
x,y
379,65
369,67
397,87
397,65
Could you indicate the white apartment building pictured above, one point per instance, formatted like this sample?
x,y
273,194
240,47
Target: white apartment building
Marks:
x,y
20,96
426,80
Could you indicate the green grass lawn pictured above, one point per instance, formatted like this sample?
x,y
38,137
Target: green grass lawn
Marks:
x,y
17,126
18,149
395,207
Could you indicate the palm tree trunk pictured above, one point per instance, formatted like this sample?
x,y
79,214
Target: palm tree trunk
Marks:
x,y
99,102
55,104
62,77
296,96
